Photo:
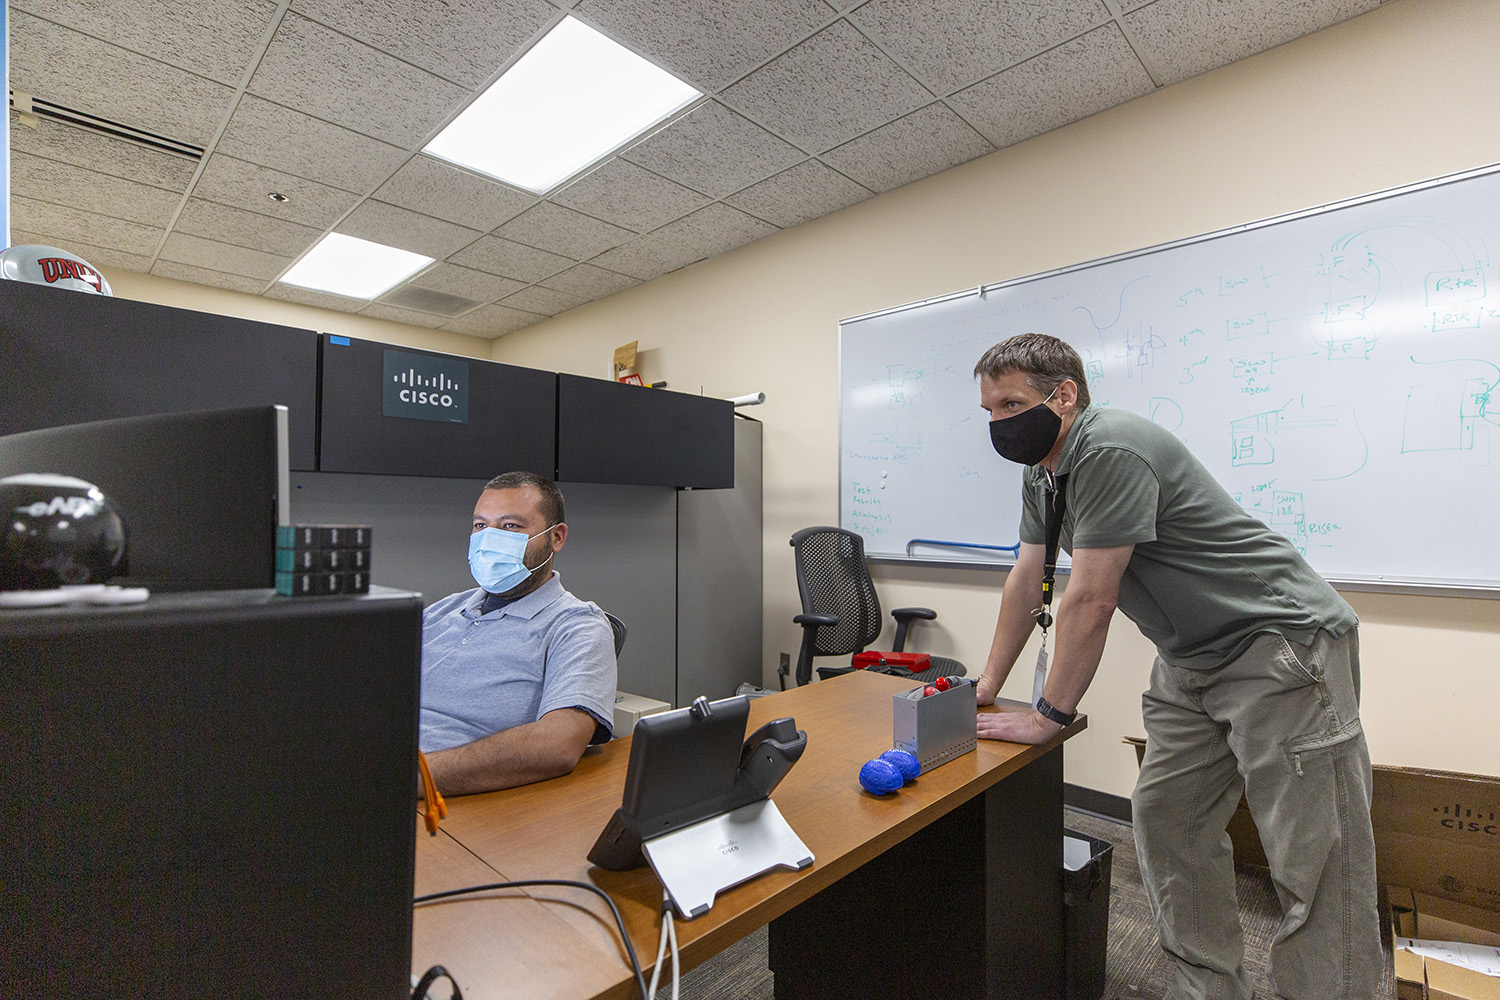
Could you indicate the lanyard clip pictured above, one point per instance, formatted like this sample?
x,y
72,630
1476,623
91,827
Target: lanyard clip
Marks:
x,y
1043,618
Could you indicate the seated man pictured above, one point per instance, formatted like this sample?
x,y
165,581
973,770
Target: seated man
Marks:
x,y
518,675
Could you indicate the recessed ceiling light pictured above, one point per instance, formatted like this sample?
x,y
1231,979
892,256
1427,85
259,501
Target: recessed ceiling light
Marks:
x,y
575,96
346,265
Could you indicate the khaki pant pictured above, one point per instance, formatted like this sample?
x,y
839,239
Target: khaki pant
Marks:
x,y
1280,722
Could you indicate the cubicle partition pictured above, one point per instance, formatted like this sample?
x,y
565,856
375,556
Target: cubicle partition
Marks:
x,y
71,358
404,439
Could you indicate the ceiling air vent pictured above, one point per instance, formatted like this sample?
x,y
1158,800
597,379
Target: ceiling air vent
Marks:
x,y
428,301
25,104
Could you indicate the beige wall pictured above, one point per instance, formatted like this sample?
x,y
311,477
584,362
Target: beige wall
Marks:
x,y
186,295
1394,96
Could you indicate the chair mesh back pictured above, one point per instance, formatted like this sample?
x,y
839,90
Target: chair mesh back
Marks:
x,y
833,579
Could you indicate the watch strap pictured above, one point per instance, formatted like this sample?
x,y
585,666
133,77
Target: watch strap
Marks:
x,y
1045,710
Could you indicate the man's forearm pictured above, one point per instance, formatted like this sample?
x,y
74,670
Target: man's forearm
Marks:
x,y
548,748
1082,627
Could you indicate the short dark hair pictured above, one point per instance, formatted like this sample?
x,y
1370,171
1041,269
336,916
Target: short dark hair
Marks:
x,y
1045,361
552,498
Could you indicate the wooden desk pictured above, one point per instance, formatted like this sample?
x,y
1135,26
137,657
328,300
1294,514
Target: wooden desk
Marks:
x,y
953,880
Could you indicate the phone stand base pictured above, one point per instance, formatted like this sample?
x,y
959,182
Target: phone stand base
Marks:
x,y
698,862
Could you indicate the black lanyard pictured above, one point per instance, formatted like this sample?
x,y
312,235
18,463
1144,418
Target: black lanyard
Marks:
x,y
1056,502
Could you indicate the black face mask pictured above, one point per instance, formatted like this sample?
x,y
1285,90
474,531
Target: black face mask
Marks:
x,y
1028,436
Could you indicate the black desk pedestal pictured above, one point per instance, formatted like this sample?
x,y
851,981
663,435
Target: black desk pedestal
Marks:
x,y
968,907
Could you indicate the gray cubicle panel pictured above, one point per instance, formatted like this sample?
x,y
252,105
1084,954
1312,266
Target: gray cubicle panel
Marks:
x,y
719,578
621,551
396,411
70,357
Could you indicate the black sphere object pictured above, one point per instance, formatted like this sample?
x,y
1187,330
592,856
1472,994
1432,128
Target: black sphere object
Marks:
x,y
56,531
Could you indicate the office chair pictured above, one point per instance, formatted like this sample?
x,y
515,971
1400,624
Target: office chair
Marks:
x,y
840,612
618,627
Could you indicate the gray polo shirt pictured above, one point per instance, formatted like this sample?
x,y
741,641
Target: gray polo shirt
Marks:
x,y
1205,577
482,673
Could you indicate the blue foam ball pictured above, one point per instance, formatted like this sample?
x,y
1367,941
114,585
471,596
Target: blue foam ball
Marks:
x,y
905,762
879,776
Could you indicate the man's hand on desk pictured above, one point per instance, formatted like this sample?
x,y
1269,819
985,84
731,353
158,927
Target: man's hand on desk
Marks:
x,y
1016,727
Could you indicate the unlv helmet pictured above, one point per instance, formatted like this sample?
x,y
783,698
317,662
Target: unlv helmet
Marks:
x,y
51,266
57,531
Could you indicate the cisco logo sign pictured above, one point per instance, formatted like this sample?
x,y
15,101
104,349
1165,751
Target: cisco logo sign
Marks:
x,y
422,387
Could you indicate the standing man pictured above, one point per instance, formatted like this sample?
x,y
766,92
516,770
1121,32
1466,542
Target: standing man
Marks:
x,y
518,675
1255,685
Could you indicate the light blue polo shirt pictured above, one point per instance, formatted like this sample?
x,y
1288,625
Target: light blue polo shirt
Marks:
x,y
484,673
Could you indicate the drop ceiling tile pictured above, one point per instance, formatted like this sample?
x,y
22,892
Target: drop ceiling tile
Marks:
x,y
101,153
547,301
204,276
831,88
335,78
411,317
1070,82
713,150
1186,37
186,249
709,43
248,186
563,231
213,39
433,187
465,282
289,141
910,148
51,180
806,191
312,297
618,191
511,260
396,227
213,221
66,226
45,61
949,44
95,255
465,41
590,282
706,233
493,321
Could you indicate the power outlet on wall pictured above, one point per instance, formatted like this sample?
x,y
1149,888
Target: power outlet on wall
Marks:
x,y
785,666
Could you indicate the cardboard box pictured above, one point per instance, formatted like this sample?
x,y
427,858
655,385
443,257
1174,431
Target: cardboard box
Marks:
x,y
1438,833
1439,919
630,708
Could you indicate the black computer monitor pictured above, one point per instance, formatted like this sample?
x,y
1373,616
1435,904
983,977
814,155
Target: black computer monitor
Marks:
x,y
201,493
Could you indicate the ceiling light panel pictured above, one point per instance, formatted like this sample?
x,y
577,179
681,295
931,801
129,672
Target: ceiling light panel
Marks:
x,y
574,97
347,265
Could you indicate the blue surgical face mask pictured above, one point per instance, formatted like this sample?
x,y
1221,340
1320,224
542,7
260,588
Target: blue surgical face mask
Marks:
x,y
498,558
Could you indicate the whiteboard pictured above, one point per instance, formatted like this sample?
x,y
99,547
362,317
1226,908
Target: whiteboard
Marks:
x,y
1334,369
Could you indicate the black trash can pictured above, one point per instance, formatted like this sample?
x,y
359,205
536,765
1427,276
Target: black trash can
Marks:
x,y
1085,918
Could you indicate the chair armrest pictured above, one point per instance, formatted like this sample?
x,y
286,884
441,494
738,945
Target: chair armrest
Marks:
x,y
810,625
904,617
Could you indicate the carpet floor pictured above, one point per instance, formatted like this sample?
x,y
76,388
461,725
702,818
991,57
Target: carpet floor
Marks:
x,y
1135,968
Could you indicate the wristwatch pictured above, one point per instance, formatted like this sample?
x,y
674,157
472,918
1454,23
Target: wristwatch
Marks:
x,y
1045,710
